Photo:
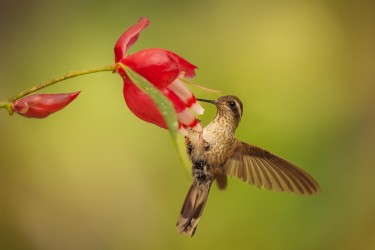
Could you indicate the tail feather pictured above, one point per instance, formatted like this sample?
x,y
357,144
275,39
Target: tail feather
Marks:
x,y
192,208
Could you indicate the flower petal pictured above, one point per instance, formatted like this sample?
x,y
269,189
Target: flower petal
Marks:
x,y
156,65
141,104
188,120
159,66
184,116
144,108
182,130
184,66
129,37
179,88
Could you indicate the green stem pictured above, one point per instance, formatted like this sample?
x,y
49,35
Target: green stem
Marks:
x,y
8,103
59,79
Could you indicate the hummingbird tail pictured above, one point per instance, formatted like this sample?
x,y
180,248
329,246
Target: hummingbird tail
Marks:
x,y
192,208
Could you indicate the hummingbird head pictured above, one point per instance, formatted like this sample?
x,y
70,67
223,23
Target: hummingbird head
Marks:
x,y
228,107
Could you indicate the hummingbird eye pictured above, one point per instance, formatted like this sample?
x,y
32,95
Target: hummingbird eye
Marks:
x,y
232,104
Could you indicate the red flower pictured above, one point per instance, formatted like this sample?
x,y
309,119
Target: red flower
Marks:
x,y
42,105
162,68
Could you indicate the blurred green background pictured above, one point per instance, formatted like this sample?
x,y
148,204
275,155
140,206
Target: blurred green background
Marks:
x,y
93,176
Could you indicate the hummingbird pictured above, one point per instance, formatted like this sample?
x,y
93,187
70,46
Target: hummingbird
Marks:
x,y
216,153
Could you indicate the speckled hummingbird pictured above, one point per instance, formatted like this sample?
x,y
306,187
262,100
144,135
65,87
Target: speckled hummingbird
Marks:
x,y
216,153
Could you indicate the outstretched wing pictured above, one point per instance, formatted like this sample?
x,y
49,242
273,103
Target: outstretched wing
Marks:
x,y
261,168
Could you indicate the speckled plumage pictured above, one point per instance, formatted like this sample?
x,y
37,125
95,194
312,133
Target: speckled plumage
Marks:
x,y
216,153
215,143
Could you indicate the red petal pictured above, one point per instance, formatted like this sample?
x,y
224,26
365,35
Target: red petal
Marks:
x,y
188,120
184,66
156,65
144,107
42,105
141,104
184,116
129,37
186,96
159,66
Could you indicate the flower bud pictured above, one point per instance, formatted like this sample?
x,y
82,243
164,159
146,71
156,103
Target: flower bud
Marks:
x,y
42,105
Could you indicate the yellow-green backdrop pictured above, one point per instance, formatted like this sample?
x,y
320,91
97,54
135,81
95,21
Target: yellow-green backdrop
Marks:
x,y
93,176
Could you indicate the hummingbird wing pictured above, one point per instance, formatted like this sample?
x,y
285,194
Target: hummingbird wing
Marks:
x,y
263,169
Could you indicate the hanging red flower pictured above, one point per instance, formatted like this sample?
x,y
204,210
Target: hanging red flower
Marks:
x,y
165,70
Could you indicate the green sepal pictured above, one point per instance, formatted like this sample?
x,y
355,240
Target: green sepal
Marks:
x,y
162,102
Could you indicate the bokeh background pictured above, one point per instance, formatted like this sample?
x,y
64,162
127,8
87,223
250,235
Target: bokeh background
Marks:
x,y
93,176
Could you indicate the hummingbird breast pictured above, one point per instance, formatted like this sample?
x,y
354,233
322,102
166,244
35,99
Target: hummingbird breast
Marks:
x,y
209,151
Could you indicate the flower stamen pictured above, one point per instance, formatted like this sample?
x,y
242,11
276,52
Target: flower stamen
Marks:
x,y
201,87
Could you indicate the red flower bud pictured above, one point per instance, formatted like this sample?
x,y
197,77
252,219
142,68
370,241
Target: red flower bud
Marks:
x,y
42,105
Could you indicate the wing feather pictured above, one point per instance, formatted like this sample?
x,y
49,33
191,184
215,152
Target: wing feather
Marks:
x,y
261,168
266,179
275,182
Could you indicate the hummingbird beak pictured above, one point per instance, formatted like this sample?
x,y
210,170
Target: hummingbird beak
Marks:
x,y
209,101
